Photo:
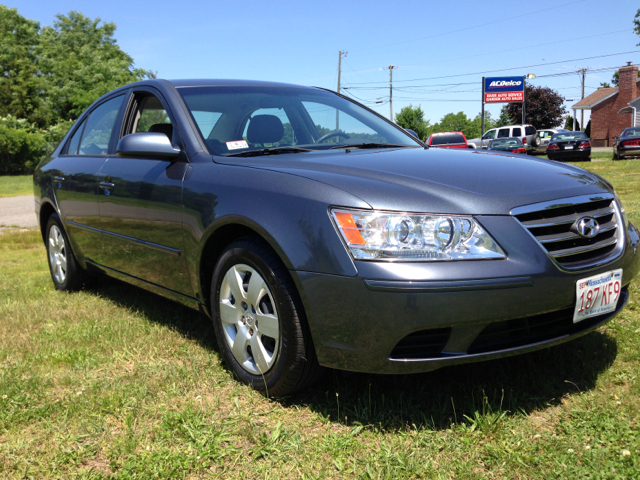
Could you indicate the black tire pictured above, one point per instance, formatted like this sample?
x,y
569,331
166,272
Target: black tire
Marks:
x,y
294,364
616,156
66,273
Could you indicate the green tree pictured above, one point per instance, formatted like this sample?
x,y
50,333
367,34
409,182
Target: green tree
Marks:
x,y
568,124
503,119
545,108
636,24
81,61
615,79
413,118
20,82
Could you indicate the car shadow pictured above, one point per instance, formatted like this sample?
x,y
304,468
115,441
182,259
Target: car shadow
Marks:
x,y
481,392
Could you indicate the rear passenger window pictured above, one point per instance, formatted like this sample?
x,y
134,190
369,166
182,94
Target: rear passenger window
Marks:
x,y
530,130
97,133
503,132
517,132
75,140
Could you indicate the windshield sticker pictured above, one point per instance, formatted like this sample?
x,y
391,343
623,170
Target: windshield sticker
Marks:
x,y
236,144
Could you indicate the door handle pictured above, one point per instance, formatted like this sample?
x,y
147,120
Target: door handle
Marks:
x,y
106,185
58,178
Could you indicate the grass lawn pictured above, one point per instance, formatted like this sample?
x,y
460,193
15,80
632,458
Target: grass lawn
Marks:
x,y
116,382
13,186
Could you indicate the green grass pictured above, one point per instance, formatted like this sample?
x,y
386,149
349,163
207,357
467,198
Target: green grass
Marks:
x,y
13,186
114,382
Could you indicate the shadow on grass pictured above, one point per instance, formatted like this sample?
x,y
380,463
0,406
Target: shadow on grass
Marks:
x,y
435,400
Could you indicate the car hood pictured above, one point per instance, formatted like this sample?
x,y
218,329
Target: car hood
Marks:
x,y
436,180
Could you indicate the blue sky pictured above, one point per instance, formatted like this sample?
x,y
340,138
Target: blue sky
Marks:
x,y
435,45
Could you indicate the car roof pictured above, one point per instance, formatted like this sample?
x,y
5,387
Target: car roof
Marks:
x,y
227,82
446,133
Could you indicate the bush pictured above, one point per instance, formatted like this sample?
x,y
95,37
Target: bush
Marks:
x,y
23,145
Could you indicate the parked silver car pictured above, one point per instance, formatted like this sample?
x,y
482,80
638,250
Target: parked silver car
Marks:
x,y
543,139
527,133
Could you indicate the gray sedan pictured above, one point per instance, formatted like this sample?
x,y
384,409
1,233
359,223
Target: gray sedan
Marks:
x,y
315,233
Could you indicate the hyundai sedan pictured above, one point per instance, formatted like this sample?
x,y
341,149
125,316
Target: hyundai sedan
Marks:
x,y
315,233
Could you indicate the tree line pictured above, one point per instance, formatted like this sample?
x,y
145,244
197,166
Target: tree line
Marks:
x,y
48,76
544,109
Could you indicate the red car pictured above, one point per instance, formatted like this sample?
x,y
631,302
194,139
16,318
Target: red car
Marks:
x,y
447,140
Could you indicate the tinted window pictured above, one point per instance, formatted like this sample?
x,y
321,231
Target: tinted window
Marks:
x,y
507,142
503,132
150,113
517,132
75,140
529,130
447,139
568,136
97,133
631,132
206,121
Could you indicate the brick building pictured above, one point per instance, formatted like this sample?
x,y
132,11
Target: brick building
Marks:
x,y
610,112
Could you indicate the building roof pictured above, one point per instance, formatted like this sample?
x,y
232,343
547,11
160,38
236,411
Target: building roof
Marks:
x,y
596,97
600,95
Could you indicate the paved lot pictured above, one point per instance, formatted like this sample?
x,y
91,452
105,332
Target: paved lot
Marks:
x,y
17,212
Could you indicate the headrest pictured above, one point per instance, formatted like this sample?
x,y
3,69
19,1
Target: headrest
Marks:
x,y
265,129
165,128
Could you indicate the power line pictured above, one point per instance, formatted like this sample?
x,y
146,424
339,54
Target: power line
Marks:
x,y
528,14
508,69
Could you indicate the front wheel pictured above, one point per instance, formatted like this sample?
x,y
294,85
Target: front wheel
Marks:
x,y
259,321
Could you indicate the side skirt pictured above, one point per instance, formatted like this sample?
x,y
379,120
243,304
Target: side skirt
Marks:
x,y
185,300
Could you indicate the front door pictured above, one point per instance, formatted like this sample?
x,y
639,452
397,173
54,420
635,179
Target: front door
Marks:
x,y
140,201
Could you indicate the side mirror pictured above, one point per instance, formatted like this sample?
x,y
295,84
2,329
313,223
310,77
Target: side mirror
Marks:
x,y
615,138
412,133
147,144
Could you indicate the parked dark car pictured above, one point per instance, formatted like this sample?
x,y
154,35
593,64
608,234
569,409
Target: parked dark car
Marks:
x,y
308,245
627,144
513,145
565,146
447,140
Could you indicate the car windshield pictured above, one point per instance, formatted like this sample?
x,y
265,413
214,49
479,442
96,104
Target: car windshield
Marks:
x,y
631,132
263,120
506,142
568,136
447,139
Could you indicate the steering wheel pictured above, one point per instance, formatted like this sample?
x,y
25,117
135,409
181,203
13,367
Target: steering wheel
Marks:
x,y
331,135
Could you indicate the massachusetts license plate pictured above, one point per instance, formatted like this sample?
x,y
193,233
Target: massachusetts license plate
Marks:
x,y
597,295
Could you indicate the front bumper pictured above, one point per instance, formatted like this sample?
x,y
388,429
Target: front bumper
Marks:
x,y
455,312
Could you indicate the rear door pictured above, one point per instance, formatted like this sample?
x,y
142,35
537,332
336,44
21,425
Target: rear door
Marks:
x,y
76,178
140,202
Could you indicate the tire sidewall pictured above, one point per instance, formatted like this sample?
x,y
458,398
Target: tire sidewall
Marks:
x,y
54,220
244,253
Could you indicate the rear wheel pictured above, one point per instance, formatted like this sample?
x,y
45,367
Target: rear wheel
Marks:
x,y
259,322
65,272
616,156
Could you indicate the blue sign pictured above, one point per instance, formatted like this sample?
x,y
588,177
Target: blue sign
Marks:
x,y
504,84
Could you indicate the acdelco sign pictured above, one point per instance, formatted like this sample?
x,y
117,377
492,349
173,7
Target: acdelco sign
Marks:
x,y
503,89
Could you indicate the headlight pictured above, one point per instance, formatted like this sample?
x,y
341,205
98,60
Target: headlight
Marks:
x,y
410,237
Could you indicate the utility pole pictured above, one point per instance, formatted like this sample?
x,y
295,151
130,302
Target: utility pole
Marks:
x,y
583,72
341,53
390,68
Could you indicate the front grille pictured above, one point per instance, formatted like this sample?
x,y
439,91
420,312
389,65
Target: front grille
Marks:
x,y
499,336
422,344
551,226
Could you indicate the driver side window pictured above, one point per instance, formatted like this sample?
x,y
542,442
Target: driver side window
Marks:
x,y
489,135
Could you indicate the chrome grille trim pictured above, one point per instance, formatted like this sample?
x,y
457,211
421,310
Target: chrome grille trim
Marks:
x,y
549,224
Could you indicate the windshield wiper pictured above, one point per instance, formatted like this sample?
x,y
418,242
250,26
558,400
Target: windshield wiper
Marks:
x,y
370,145
269,151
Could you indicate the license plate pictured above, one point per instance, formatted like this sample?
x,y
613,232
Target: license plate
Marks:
x,y
568,147
597,295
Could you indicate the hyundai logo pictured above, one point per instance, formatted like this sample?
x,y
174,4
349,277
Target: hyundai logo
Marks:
x,y
587,227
